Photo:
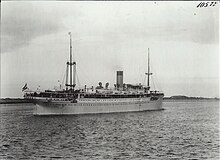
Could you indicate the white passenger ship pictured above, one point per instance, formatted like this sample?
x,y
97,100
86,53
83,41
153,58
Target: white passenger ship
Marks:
x,y
123,98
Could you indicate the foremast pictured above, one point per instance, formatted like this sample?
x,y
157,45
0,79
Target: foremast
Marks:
x,y
148,71
71,68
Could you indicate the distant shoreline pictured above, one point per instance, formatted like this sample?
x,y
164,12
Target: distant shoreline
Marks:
x,y
21,100
188,98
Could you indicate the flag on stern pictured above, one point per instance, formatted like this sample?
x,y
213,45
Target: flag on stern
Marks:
x,y
25,87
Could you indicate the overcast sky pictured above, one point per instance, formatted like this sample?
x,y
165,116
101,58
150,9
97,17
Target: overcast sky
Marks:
x,y
111,36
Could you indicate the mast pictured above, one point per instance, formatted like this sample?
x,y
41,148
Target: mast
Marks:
x,y
148,70
71,68
71,81
74,74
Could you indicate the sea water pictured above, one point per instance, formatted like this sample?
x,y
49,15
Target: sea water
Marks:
x,y
184,130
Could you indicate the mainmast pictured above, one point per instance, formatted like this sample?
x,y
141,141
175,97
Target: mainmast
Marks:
x,y
148,70
71,69
72,66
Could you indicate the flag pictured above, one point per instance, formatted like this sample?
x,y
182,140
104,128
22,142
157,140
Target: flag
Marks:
x,y
25,87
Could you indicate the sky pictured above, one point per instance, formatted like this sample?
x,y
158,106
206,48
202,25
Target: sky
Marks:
x,y
109,36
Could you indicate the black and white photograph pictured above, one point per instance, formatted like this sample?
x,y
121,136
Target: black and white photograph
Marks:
x,y
109,80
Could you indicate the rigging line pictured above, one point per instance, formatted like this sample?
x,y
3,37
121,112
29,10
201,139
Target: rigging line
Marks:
x,y
153,83
83,73
158,84
155,76
152,77
64,75
156,81
139,73
144,82
77,77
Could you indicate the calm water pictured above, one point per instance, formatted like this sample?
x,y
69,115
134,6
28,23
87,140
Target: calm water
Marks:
x,y
184,130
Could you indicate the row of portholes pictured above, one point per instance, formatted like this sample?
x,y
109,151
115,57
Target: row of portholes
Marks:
x,y
56,99
100,104
104,100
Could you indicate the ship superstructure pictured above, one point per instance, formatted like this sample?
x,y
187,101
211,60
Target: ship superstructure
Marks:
x,y
122,98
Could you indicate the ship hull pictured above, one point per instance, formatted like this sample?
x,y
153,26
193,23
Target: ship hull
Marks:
x,y
68,108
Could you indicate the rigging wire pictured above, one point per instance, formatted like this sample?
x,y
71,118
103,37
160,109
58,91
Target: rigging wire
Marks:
x,y
144,82
158,84
64,77
77,77
155,80
153,76
154,87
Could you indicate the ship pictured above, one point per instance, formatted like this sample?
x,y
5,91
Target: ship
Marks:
x,y
94,100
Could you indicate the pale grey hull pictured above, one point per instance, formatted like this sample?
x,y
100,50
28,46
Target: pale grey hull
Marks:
x,y
67,108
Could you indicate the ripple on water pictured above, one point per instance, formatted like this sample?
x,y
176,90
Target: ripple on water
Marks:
x,y
181,131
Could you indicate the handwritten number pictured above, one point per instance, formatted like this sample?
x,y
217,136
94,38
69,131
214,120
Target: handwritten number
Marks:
x,y
215,3
206,4
199,4
202,4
